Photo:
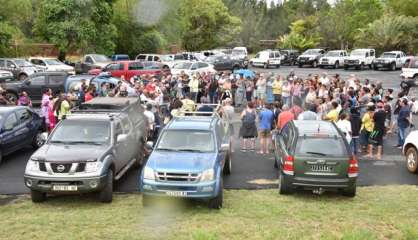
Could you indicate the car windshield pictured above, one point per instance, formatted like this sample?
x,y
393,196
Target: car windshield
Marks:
x,y
100,58
388,55
238,52
311,52
23,63
314,146
358,53
81,132
199,141
53,62
166,58
211,59
333,54
183,65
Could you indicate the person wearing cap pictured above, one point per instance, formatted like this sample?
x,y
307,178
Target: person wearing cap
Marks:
x,y
376,136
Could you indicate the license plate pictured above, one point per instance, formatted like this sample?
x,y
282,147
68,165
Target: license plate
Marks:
x,y
68,188
176,193
379,65
321,168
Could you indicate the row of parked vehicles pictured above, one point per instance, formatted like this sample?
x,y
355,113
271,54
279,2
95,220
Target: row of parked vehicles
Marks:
x,y
357,59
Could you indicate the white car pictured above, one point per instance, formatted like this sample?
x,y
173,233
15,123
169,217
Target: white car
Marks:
x,y
410,150
360,58
410,71
266,59
191,68
391,60
239,53
6,76
333,59
51,65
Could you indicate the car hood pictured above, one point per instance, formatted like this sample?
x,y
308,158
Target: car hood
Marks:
x,y
69,153
101,64
61,67
309,56
167,161
384,59
355,57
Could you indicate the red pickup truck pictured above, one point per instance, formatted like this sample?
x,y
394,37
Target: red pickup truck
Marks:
x,y
128,69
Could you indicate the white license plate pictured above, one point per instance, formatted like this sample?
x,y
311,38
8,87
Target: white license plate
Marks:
x,y
176,193
64,188
321,168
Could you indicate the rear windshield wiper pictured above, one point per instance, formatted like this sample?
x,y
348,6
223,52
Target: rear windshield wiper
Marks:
x,y
85,142
317,153
190,150
167,149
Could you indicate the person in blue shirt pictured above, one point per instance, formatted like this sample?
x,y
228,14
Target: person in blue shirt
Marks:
x,y
265,125
403,122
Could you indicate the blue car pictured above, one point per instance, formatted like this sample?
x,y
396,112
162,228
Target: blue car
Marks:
x,y
20,127
189,160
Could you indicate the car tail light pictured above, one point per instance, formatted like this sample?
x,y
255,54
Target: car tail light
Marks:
x,y
353,168
288,165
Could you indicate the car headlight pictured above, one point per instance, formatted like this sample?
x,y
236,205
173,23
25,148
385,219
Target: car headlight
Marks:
x,y
149,173
32,166
357,61
207,175
93,166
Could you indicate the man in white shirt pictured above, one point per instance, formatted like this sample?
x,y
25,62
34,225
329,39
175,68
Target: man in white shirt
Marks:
x,y
150,116
345,126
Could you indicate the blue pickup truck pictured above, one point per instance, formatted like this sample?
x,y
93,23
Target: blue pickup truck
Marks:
x,y
189,160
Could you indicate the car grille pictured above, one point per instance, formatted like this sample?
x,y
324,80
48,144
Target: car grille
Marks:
x,y
177,177
42,167
61,168
304,58
351,61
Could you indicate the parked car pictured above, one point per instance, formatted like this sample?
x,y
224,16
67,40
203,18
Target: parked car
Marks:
x,y
226,62
191,68
20,68
35,85
190,168
6,76
20,127
333,59
390,60
73,82
91,61
148,57
360,58
289,56
89,150
239,53
410,151
266,59
304,162
410,71
311,57
120,57
129,69
51,65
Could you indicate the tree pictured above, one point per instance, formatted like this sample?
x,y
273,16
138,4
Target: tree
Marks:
x,y
77,25
403,7
300,37
207,24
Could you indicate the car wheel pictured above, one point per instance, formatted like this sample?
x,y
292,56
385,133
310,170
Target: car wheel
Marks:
x,y
337,65
284,186
278,66
22,77
345,68
300,65
416,80
266,66
216,203
106,194
37,141
411,160
350,192
228,165
12,97
146,200
37,196
362,66
393,67
376,68
314,64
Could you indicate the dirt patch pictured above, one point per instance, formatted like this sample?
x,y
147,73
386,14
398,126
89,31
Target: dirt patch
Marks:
x,y
9,199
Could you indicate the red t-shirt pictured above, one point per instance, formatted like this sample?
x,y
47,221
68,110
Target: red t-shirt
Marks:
x,y
88,97
284,117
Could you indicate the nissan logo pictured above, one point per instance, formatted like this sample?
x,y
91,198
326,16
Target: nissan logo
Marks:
x,y
60,168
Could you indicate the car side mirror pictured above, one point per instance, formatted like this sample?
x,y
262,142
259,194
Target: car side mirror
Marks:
x,y
121,138
225,147
149,145
13,66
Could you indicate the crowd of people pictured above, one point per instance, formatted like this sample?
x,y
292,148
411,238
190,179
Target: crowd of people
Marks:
x,y
365,112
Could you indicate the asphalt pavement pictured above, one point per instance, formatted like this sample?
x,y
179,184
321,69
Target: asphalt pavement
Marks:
x,y
251,170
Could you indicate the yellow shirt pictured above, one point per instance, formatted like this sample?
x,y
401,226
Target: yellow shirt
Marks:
x,y
188,105
333,115
277,87
368,123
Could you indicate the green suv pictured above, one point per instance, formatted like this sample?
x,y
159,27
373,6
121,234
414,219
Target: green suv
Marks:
x,y
314,155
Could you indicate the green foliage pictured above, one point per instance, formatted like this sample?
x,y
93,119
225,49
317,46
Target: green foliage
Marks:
x,y
77,25
300,36
403,7
390,32
207,24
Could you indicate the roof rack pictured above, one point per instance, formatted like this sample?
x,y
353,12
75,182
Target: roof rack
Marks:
x,y
107,105
215,111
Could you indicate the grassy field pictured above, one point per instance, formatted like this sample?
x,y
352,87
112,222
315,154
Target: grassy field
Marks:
x,y
389,212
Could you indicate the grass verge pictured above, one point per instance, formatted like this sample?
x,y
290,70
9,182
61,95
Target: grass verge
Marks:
x,y
388,212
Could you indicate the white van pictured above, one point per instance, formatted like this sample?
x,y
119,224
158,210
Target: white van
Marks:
x,y
266,59
360,58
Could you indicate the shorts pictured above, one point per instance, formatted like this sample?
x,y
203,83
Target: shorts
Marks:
x,y
265,133
261,95
377,139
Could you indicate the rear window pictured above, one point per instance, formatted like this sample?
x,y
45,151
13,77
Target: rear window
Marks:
x,y
315,146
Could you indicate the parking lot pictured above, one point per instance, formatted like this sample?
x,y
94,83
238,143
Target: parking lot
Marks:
x,y
251,170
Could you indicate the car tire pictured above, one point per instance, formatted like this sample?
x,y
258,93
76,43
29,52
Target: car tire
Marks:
x,y
37,196
345,68
228,165
315,64
37,140
265,66
412,160
337,65
393,67
300,65
416,80
146,201
350,192
216,202
361,66
278,66
22,77
106,194
284,186
12,97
